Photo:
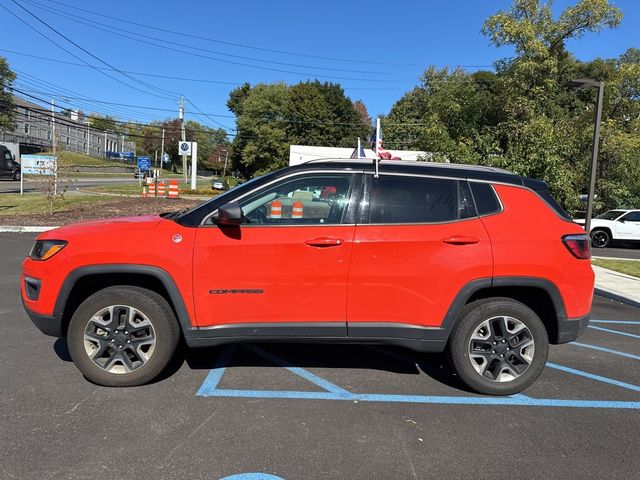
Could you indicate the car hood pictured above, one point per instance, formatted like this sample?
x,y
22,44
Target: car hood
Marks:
x,y
139,222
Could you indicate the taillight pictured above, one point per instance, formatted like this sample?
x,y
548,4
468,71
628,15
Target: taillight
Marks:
x,y
578,245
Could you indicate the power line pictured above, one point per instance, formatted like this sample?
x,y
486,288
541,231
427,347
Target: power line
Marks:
x,y
169,77
208,57
81,48
92,23
76,96
234,44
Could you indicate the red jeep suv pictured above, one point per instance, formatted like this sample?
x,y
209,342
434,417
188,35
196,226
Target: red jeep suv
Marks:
x,y
473,260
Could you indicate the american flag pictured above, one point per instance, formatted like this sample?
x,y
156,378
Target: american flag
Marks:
x,y
376,144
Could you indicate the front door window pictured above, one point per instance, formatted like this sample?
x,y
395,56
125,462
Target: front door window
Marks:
x,y
319,199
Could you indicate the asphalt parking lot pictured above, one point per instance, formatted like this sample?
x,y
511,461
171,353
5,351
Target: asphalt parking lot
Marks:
x,y
319,411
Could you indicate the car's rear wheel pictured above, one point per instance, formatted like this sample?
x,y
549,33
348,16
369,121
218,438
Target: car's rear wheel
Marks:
x,y
498,346
600,238
122,336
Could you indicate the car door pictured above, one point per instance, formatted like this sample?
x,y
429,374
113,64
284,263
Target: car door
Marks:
x,y
287,263
628,226
419,244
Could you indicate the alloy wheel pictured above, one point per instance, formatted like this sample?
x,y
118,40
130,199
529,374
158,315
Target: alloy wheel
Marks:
x,y
119,339
501,348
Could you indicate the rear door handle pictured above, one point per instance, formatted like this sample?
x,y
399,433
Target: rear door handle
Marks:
x,y
324,242
461,240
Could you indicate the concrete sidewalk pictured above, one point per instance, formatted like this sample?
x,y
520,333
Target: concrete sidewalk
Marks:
x,y
617,286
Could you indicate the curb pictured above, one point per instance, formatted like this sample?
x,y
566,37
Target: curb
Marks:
x,y
616,297
24,229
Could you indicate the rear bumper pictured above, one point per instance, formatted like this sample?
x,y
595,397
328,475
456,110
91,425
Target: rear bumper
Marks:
x,y
571,328
46,324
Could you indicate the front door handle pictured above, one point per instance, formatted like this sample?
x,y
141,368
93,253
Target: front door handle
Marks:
x,y
460,240
324,242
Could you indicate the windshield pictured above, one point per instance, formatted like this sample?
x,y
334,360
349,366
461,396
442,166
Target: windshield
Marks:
x,y
610,215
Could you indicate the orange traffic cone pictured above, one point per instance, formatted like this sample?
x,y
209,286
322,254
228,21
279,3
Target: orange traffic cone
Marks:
x,y
174,189
144,192
298,209
161,189
152,189
276,209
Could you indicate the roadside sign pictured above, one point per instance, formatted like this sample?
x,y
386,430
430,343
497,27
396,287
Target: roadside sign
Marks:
x,y
184,148
38,164
166,158
144,163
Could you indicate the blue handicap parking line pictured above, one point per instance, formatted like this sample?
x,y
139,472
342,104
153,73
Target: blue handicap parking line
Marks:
x,y
617,332
593,376
607,350
619,322
209,388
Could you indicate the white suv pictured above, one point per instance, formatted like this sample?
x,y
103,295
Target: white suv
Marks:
x,y
614,225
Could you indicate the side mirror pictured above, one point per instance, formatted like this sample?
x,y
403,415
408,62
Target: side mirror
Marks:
x,y
621,220
228,214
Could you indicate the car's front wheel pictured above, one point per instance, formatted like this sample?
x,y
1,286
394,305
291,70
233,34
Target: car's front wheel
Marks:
x,y
499,346
16,176
122,336
600,238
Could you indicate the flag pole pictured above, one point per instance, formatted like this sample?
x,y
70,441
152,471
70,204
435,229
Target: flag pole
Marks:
x,y
359,147
378,141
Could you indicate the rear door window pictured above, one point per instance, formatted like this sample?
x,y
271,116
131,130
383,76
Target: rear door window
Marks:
x,y
404,199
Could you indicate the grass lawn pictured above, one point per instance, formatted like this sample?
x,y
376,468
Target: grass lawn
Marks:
x,y
630,267
204,189
75,159
35,203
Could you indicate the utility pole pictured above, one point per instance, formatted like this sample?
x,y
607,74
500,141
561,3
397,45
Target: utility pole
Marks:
x,y
53,127
184,138
162,151
226,156
53,140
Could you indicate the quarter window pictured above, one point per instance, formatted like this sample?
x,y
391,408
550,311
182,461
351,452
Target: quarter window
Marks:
x,y
485,197
398,199
305,200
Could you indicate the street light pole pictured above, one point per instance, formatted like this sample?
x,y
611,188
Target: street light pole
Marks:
x,y
586,83
594,157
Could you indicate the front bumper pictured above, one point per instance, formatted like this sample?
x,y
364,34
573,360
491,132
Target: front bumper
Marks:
x,y
46,324
571,328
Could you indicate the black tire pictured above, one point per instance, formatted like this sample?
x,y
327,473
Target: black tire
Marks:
x,y
164,332
16,176
471,318
600,238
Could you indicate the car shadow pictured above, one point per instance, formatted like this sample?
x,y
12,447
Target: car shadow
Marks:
x,y
333,356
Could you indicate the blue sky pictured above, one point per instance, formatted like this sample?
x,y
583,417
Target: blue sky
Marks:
x,y
375,50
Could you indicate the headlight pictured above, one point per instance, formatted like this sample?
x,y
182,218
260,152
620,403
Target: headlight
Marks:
x,y
45,249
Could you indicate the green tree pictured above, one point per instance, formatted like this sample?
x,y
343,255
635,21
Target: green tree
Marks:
x,y
210,141
7,107
525,117
272,117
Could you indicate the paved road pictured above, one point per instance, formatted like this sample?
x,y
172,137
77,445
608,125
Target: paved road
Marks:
x,y
7,186
322,411
626,251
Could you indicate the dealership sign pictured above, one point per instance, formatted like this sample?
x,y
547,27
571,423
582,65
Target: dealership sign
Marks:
x,y
38,164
